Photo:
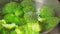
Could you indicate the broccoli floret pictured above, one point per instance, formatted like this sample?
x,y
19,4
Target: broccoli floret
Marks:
x,y
30,28
9,7
14,8
32,25
11,18
49,23
46,11
30,17
28,5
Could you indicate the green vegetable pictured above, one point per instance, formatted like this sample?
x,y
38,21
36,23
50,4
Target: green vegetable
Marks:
x,y
18,11
21,18
32,25
32,28
12,32
30,17
11,18
46,11
10,7
28,5
9,26
3,32
13,13
2,21
49,23
18,31
22,21
14,8
47,18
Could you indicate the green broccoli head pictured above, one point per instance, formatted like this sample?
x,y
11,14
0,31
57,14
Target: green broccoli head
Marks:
x,y
32,28
10,7
46,11
49,23
18,11
30,17
11,18
28,5
14,8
